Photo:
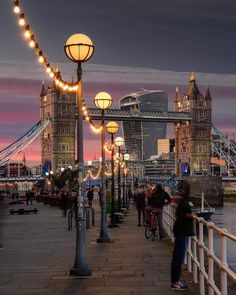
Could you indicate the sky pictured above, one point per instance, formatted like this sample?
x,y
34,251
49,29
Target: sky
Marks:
x,y
151,44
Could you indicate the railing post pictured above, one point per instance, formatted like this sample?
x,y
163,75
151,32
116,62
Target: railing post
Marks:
x,y
201,258
210,259
195,253
223,274
189,252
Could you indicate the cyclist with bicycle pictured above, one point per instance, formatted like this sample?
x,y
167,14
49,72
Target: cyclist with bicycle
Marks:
x,y
158,200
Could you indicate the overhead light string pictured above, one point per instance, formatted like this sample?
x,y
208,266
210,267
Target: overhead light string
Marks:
x,y
29,36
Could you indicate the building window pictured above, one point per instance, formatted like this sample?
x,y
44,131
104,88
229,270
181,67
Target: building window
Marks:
x,y
63,146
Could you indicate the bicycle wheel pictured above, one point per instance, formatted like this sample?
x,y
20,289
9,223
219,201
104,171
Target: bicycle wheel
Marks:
x,y
148,232
154,229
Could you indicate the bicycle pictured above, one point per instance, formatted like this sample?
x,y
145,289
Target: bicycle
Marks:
x,y
151,231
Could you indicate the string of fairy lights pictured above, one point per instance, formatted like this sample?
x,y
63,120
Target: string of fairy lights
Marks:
x,y
54,74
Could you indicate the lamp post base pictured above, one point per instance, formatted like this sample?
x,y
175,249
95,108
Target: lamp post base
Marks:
x,y
113,225
80,272
104,240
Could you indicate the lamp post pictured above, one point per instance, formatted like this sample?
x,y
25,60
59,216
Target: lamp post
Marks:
x,y
126,159
123,151
112,128
119,142
79,48
103,101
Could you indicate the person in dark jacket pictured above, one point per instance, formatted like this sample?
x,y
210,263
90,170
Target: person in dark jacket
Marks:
x,y
158,200
64,203
90,195
140,200
182,229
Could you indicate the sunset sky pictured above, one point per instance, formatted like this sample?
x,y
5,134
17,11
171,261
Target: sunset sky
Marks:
x,y
138,44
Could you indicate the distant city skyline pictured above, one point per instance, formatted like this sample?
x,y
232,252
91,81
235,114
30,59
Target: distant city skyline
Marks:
x,y
137,45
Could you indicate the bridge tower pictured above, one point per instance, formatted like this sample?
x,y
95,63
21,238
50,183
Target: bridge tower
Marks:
x,y
193,139
58,138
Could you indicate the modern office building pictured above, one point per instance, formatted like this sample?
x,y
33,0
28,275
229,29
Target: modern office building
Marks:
x,y
58,138
165,146
141,137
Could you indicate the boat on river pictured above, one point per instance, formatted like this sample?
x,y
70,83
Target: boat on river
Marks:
x,y
204,212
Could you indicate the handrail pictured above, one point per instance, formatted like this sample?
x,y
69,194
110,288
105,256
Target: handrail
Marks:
x,y
201,246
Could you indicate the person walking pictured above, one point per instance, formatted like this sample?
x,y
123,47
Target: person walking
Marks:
x,y
140,200
90,196
27,195
64,203
182,229
158,200
31,196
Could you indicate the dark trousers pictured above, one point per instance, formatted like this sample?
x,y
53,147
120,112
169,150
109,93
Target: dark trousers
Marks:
x,y
180,247
141,211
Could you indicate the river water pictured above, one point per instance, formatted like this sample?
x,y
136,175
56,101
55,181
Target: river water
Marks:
x,y
225,217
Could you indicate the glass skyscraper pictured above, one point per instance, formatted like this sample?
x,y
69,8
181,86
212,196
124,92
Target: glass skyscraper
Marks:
x,y
141,137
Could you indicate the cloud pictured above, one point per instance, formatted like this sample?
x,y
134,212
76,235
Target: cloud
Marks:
x,y
114,74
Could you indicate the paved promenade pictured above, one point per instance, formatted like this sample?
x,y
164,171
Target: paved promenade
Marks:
x,y
38,252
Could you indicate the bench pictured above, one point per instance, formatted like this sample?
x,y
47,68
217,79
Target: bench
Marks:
x,y
23,211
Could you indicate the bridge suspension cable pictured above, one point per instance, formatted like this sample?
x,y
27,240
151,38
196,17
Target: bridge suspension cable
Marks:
x,y
24,141
220,151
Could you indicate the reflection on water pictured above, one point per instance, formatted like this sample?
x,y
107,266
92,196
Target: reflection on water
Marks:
x,y
226,218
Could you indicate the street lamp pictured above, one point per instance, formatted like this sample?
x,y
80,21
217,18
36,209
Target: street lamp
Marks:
x,y
119,142
103,101
126,159
112,128
79,48
123,151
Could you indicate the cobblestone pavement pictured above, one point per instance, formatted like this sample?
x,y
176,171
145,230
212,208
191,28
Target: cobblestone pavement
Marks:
x,y
38,251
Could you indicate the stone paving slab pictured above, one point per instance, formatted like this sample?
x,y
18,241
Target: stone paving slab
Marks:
x,y
38,252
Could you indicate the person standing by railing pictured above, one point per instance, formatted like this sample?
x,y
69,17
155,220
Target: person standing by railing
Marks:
x,y
182,229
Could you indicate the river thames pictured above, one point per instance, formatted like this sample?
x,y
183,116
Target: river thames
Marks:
x,y
226,217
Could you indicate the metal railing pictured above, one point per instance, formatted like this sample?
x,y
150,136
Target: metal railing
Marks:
x,y
202,260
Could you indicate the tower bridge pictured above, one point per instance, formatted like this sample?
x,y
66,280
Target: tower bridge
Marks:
x,y
130,115
192,119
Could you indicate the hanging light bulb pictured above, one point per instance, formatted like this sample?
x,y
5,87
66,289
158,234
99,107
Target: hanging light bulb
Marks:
x,y
32,43
41,57
22,20
27,33
48,68
51,75
16,7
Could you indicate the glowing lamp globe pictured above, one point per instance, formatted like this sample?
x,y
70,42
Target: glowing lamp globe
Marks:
x,y
79,48
126,157
103,101
112,127
119,141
